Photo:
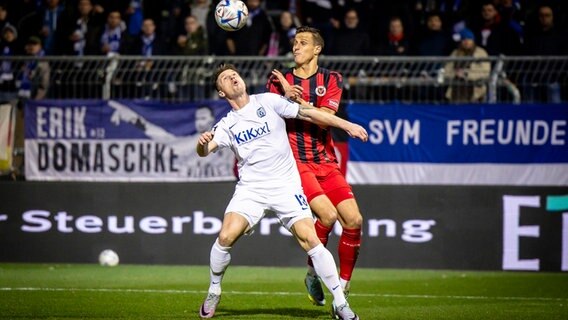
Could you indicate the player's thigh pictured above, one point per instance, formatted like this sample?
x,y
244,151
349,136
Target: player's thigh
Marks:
x,y
243,212
334,184
290,205
340,194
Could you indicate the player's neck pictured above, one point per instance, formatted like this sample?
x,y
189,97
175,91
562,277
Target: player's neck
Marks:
x,y
239,102
306,70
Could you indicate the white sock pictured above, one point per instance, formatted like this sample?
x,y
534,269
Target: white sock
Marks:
x,y
327,271
344,284
219,258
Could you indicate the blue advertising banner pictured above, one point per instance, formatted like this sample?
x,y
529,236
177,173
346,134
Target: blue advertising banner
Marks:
x,y
470,144
122,140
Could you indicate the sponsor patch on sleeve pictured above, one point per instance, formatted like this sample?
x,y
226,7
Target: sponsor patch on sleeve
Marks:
x,y
334,103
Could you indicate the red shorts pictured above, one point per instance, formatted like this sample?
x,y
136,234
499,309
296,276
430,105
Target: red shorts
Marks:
x,y
325,178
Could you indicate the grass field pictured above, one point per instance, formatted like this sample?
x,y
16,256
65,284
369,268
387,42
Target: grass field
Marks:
x,y
79,291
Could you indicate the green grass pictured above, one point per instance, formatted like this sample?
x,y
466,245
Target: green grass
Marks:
x,y
78,291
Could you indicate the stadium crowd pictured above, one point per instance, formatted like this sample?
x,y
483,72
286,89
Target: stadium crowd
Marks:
x,y
350,27
143,28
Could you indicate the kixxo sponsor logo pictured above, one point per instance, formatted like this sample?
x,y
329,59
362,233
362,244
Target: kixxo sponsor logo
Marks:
x,y
38,221
513,230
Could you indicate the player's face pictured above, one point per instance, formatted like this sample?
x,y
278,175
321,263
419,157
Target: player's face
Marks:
x,y
304,48
230,84
203,120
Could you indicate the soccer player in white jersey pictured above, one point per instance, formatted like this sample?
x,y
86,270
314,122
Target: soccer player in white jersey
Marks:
x,y
269,180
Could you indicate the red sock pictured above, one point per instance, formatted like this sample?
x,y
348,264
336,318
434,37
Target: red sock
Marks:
x,y
349,244
323,234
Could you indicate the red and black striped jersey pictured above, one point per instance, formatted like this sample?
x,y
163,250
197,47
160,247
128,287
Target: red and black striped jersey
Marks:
x,y
310,142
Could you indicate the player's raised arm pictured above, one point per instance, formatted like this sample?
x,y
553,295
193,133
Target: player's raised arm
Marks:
x,y
205,144
311,114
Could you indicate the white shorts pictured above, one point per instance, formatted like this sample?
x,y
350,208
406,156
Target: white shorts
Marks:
x,y
253,204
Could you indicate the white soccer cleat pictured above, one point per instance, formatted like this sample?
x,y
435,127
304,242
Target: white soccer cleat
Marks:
x,y
343,312
208,307
315,291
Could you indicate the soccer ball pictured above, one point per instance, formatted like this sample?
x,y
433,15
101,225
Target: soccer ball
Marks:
x,y
231,15
108,258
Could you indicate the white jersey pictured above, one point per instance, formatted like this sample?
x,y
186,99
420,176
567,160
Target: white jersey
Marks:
x,y
257,135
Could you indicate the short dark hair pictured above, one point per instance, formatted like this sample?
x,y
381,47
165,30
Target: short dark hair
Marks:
x,y
318,39
223,67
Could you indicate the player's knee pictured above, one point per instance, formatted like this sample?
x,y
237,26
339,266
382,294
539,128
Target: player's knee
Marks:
x,y
226,239
310,242
327,217
354,221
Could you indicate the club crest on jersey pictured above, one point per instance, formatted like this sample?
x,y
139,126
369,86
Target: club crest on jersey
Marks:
x,y
320,91
260,112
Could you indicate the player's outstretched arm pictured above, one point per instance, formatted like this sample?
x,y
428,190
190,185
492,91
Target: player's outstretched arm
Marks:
x,y
205,144
311,114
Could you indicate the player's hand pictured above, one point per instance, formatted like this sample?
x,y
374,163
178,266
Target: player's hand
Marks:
x,y
205,138
357,131
292,92
301,101
122,113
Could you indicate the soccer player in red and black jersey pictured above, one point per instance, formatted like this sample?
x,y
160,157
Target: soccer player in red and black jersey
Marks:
x,y
330,196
